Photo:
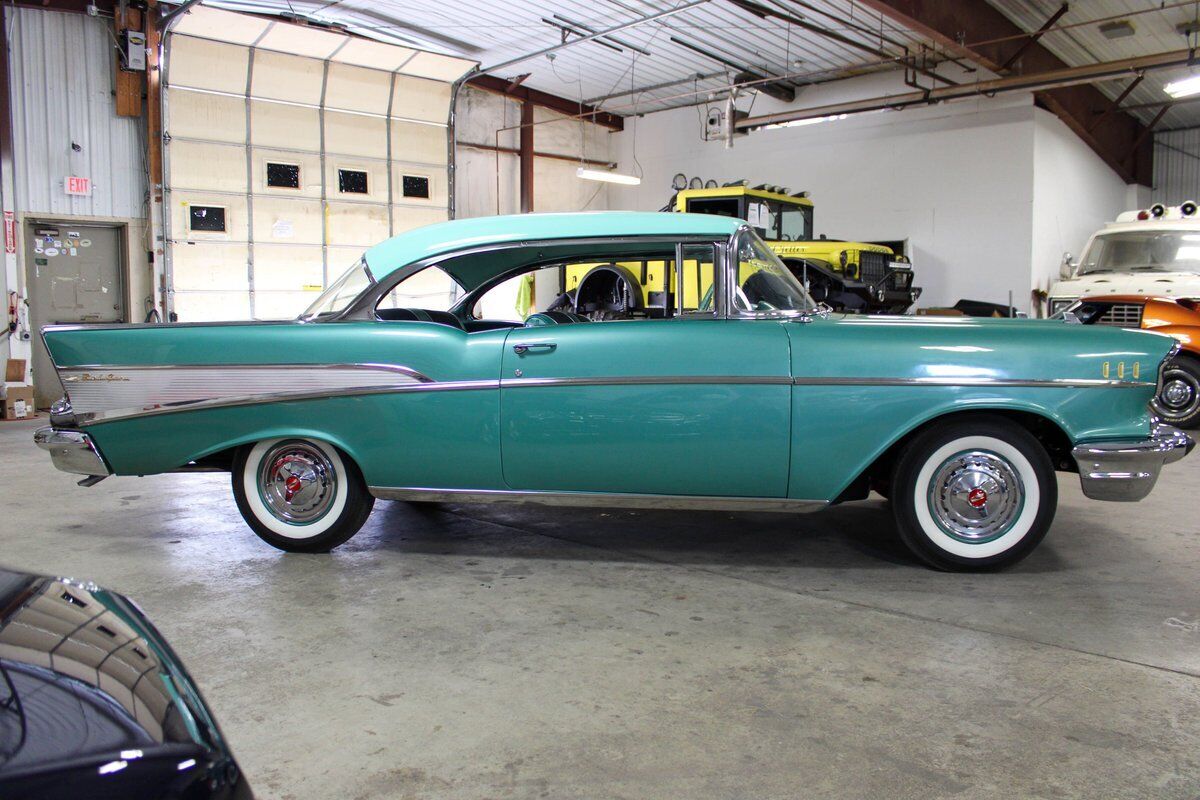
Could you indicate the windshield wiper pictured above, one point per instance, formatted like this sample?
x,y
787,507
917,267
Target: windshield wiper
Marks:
x,y
1148,268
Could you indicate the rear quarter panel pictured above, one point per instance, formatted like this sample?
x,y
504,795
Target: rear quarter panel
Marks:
x,y
447,437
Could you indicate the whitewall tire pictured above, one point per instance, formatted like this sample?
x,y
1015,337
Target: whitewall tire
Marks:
x,y
973,494
300,495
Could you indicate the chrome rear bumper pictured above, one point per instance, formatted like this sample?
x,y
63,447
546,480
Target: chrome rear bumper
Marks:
x,y
1127,471
71,451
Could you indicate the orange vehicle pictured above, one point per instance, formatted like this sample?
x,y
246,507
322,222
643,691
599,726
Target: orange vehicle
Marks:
x,y
1178,399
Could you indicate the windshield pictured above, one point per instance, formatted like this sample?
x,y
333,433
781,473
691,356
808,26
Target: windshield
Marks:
x,y
1143,251
341,293
765,285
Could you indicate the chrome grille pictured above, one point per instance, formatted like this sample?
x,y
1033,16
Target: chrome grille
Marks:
x,y
1122,315
873,266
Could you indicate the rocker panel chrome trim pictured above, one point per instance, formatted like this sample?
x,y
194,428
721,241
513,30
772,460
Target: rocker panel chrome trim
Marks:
x,y
598,499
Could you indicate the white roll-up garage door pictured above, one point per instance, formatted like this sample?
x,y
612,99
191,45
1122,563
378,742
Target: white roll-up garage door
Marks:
x,y
289,151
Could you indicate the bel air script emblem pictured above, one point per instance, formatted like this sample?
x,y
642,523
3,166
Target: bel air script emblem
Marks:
x,y
97,377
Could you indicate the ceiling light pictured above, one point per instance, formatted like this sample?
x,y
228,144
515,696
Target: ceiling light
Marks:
x,y
1117,29
796,123
1184,88
607,177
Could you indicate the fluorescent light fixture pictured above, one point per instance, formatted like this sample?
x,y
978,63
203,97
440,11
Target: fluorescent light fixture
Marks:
x,y
797,123
1184,88
607,177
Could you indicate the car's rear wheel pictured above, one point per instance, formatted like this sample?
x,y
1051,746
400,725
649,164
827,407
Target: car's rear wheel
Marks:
x,y
974,494
1179,401
300,495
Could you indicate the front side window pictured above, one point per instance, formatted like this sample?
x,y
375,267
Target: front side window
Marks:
x,y
1143,251
341,293
764,286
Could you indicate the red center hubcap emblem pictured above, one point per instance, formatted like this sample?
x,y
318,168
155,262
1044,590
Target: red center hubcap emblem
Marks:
x,y
977,498
294,485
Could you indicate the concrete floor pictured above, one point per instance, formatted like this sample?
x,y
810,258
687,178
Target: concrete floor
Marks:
x,y
479,651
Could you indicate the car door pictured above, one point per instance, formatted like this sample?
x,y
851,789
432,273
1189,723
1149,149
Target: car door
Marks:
x,y
690,405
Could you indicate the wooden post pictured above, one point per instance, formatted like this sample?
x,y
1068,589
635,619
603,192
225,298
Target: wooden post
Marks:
x,y
128,82
526,157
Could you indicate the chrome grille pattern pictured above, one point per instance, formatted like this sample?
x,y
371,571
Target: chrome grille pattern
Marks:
x,y
1122,315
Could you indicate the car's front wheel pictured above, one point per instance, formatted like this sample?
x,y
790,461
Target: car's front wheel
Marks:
x,y
974,494
1178,403
300,495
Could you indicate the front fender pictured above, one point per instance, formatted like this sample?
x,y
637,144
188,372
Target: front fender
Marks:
x,y
829,455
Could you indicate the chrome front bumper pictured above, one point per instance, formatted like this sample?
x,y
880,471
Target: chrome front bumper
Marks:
x,y
1127,471
71,451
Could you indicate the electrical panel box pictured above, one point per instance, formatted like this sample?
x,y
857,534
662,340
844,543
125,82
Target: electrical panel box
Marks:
x,y
135,51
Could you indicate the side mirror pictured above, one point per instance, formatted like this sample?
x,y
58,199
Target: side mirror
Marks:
x,y
1067,268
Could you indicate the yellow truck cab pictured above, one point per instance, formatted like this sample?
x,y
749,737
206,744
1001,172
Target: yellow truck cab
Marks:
x,y
847,276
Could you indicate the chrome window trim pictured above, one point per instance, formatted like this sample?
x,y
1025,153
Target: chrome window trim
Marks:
x,y
598,499
730,275
363,308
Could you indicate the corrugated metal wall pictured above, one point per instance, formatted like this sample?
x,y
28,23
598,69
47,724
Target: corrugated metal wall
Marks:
x,y
61,82
1177,166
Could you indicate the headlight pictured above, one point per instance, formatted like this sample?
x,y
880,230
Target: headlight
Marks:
x,y
1058,305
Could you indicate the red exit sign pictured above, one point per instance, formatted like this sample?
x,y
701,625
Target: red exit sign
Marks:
x,y
78,186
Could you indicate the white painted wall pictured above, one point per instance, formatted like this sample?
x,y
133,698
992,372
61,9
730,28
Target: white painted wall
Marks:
x,y
1074,194
957,181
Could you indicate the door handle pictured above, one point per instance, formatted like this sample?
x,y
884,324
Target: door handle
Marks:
x,y
545,347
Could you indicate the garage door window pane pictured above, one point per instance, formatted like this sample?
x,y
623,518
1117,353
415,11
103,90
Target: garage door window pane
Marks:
x,y
352,181
283,176
416,186
206,218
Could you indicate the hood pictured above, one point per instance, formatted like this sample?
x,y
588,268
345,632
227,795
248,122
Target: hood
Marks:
x,y
1168,284
94,703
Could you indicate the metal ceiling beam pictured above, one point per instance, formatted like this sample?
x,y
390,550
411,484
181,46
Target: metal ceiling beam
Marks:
x,y
598,34
695,78
175,12
957,25
1053,80
1033,37
763,12
563,105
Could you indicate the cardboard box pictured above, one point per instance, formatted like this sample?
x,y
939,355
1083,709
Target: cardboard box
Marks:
x,y
17,395
14,371
18,402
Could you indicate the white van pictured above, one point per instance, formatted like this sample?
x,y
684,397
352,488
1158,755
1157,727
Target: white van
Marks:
x,y
1155,251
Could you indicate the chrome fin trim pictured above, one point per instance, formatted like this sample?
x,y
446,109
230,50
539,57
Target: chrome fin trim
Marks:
x,y
598,499
98,393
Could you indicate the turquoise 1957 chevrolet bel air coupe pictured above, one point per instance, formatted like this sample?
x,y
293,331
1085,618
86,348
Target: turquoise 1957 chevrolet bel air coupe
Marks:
x,y
416,377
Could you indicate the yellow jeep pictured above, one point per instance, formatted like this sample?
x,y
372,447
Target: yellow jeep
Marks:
x,y
850,276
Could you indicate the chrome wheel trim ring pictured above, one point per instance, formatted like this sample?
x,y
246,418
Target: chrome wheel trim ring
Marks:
x,y
297,482
1180,395
976,496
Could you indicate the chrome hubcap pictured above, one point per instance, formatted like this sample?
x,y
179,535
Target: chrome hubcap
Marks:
x,y
297,482
1180,395
976,496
